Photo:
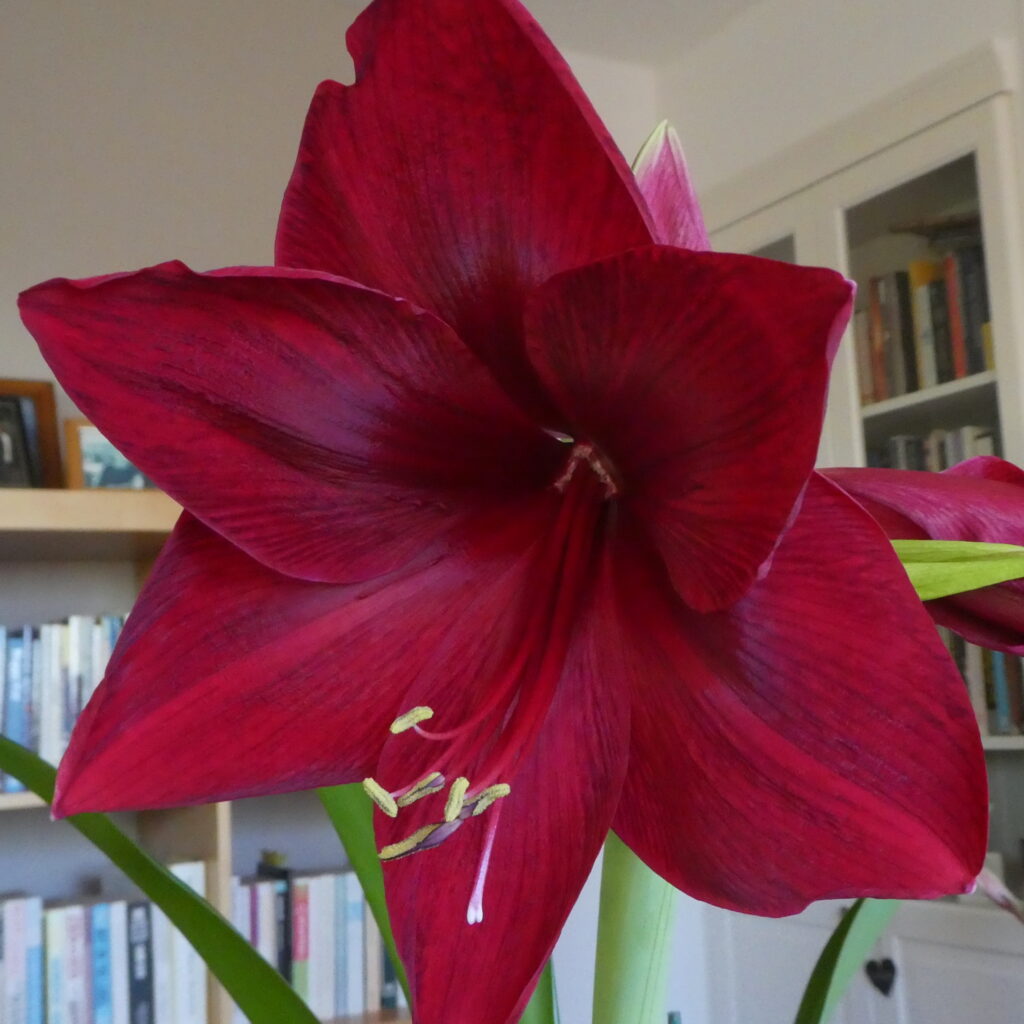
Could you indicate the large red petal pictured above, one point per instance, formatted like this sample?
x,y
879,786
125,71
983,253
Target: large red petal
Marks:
x,y
564,792
330,431
463,167
814,741
231,680
702,378
665,185
981,499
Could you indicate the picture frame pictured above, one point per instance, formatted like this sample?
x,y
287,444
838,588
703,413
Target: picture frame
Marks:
x,y
94,463
29,447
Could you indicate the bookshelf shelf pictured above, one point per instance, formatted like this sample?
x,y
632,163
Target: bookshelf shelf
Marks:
x,y
20,802
88,525
1004,743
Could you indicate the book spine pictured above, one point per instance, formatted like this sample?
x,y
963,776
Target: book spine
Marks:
x,y
35,980
119,972
940,330
300,937
1003,722
876,323
905,321
189,969
140,963
55,953
355,945
954,303
340,946
372,959
15,988
16,702
77,965
164,1009
102,975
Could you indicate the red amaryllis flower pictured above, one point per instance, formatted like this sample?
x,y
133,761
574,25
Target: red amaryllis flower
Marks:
x,y
981,499
536,549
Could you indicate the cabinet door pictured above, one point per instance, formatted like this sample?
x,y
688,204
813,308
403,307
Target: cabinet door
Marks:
x,y
759,967
790,231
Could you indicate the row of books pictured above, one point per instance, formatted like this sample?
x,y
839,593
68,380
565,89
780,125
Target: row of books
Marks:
x,y
102,962
924,326
937,450
47,673
319,933
995,682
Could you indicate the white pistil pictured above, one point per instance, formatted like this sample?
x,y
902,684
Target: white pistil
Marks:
x,y
475,910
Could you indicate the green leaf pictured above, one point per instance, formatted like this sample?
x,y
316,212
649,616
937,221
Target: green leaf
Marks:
x,y
938,568
634,929
542,1007
351,813
841,958
263,995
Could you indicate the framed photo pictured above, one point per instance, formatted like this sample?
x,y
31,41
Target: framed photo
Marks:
x,y
94,462
29,449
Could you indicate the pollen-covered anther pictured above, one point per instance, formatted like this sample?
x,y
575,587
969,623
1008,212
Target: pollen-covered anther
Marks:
x,y
381,797
411,718
408,845
427,786
488,796
456,798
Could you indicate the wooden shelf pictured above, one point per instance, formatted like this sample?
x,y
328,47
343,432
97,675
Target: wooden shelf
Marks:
x,y
1003,742
19,801
106,525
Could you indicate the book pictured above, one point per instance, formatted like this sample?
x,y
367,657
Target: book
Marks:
x,y
322,938
876,331
281,876
140,963
14,994
355,943
921,274
102,967
188,972
54,933
16,700
119,970
941,330
373,961
954,305
77,964
300,937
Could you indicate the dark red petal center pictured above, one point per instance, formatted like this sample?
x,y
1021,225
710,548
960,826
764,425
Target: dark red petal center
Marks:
x,y
470,758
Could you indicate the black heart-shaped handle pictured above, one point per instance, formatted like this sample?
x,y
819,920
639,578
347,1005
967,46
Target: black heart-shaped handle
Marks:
x,y
881,974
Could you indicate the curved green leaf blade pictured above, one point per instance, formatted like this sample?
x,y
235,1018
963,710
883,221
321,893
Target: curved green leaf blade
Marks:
x,y
634,930
841,958
541,1008
351,814
263,995
939,568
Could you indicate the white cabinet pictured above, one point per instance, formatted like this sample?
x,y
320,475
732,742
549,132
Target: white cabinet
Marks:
x,y
870,198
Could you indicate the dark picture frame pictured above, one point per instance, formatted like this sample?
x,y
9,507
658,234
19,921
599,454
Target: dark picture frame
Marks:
x,y
30,443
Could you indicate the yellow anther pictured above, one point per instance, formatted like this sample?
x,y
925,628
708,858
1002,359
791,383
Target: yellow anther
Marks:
x,y
456,798
489,795
425,787
396,850
381,797
411,718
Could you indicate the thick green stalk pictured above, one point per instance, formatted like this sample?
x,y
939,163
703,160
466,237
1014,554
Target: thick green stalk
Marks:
x,y
351,814
634,930
541,1008
263,995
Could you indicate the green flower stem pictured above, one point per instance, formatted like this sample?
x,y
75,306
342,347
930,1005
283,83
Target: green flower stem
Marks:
x,y
940,568
351,814
638,909
262,994
541,1009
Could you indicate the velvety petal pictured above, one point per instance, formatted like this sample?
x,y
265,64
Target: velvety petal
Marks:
x,y
701,378
981,499
664,182
464,166
814,741
330,431
564,790
231,680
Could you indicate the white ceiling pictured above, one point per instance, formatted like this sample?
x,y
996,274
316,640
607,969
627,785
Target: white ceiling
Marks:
x,y
646,31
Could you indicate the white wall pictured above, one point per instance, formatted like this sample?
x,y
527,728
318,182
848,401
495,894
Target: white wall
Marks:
x,y
138,132
786,68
